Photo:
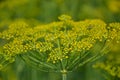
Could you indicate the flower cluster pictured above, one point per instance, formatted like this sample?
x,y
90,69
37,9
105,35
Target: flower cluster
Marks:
x,y
62,45
111,63
110,68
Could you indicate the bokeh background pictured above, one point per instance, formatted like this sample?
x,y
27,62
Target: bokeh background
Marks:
x,y
37,12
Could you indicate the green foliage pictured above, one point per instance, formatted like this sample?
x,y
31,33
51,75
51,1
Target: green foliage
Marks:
x,y
47,11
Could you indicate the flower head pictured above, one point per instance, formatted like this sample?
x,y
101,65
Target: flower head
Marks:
x,y
63,45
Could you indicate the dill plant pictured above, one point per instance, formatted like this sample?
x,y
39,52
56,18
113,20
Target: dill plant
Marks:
x,y
110,66
111,62
61,46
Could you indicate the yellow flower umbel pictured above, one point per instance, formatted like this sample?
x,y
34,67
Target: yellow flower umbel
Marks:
x,y
111,62
59,46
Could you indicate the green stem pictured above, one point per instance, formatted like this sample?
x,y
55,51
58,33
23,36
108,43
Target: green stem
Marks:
x,y
34,75
64,75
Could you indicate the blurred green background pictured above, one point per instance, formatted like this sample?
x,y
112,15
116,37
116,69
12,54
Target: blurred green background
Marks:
x,y
37,12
